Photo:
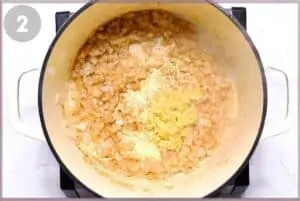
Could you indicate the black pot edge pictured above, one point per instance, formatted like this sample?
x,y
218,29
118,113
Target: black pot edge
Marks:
x,y
86,6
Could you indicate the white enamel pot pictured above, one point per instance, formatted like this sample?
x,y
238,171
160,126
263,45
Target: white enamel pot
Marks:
x,y
232,155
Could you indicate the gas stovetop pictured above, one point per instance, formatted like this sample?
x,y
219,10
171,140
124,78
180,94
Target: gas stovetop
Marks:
x,y
234,188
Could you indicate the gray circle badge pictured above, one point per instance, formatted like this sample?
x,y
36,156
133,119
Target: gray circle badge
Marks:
x,y
22,23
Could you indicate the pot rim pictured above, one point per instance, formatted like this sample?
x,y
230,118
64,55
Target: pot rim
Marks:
x,y
218,7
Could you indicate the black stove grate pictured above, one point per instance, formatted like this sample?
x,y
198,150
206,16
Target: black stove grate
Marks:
x,y
234,188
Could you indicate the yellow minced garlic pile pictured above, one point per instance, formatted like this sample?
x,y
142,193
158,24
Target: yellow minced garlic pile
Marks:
x,y
164,110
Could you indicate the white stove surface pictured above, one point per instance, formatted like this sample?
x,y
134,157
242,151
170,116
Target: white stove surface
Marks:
x,y
30,170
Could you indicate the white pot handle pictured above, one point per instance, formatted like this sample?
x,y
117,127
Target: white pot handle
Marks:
x,y
14,111
286,123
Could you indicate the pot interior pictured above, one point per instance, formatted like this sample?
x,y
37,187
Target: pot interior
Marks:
x,y
233,51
